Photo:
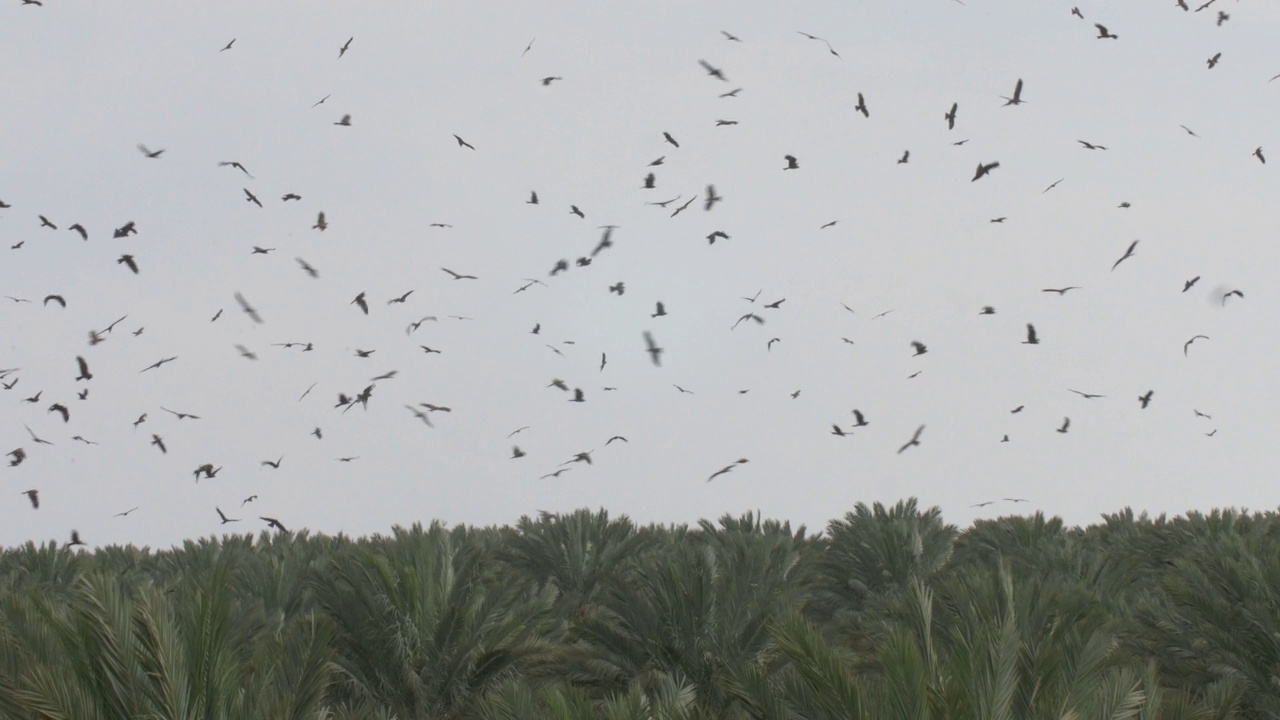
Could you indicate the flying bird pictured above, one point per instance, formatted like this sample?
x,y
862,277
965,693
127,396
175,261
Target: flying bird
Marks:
x,y
1017,95
984,169
250,197
343,51
463,143
950,116
345,121
862,106
1146,399
712,198
1091,146
151,154
360,301
1258,154
651,347
919,347
791,162
457,276
1127,254
84,369
1085,395
915,440
713,71
1103,34
667,136
128,261
1187,344
321,223
1061,291
1187,285
34,497
1066,423
224,518
1213,61
1032,338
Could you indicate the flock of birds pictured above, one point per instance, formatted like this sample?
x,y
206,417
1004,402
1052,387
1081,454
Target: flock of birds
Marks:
x,y
34,402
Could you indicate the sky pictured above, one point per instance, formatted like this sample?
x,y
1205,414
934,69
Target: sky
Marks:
x,y
83,84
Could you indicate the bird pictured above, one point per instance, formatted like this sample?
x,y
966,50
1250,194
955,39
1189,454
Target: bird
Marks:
x,y
726,123
573,210
75,540
224,518
463,143
36,438
950,116
345,121
1222,17
228,45
1258,154
862,106
659,311
321,223
792,164
616,437
141,419
533,198
555,474
248,309
306,267
1103,34
546,81
18,456
128,261
1187,284
516,452
667,136
1127,254
1213,61
713,71
457,276
726,469
360,302
343,51
125,230
1236,293
859,420
648,182
1146,399
261,250
749,316
987,310
1189,131
158,364
984,169
682,390
1032,338
651,347
1061,291
273,523
730,37
274,465
1052,185
78,228
1090,146
712,198
1076,11
837,431
906,155
180,415
249,499
159,442
34,497
1187,344
149,153
84,369
62,410
250,197
1066,423
1017,95
1085,395
125,513
775,304
919,347
915,440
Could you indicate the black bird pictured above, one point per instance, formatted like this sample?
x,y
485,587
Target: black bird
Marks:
x,y
343,51
713,71
157,364
1236,293
577,396
1187,344
127,261
987,310
1066,423
62,410
712,198
516,452
1187,285
1085,395
1061,291
1017,95
463,143
261,250
682,207
791,162
1146,399
275,465
548,80
726,469
228,46
915,440
125,230
18,456
1091,146
457,276
651,347
224,518
45,222
1032,338
273,523
906,155
75,540
573,210
1127,254
1076,11
321,223
1213,61
400,299
36,438
248,309
34,497
179,415
983,170
950,117
648,182
606,240
749,316
862,106
250,197
731,37
668,138
920,348
345,121
1258,154
859,420
84,234
306,267
360,301
775,304
1103,34
659,310
84,369
533,198
159,442
155,155
726,123
236,165
1052,185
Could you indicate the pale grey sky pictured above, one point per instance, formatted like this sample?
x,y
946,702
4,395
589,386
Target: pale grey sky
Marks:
x,y
84,83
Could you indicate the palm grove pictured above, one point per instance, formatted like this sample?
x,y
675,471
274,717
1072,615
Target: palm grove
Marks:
x,y
890,613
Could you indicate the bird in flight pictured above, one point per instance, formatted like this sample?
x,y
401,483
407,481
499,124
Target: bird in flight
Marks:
x,y
1127,254
1187,344
361,303
1052,185
919,347
791,162
250,197
34,497
158,364
129,262
1103,33
345,121
1187,285
914,441
154,154
84,369
1258,154
712,198
345,46
1085,395
713,71
1061,291
224,518
727,468
731,37
651,347
862,106
1213,61
950,116
463,143
457,276
1090,146
1032,338
1066,423
1146,399
1017,95
984,169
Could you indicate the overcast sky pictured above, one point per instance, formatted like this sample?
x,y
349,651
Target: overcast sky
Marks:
x,y
84,83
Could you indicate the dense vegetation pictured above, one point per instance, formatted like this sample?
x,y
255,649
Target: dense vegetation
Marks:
x,y
889,614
